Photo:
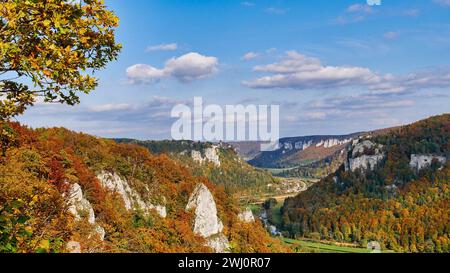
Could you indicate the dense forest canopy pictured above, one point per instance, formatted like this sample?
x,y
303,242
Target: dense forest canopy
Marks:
x,y
39,165
394,204
236,175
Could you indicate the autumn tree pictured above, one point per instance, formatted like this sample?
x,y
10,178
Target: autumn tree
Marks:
x,y
50,49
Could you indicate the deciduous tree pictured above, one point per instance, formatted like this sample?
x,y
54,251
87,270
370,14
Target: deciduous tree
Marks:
x,y
50,49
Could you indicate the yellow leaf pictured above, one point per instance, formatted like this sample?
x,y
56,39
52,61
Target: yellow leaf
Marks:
x,y
44,244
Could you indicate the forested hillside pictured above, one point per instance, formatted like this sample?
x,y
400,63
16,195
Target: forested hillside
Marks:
x,y
60,188
394,189
229,170
301,151
317,169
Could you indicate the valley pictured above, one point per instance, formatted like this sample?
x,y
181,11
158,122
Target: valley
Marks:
x,y
327,207
124,188
309,246
127,134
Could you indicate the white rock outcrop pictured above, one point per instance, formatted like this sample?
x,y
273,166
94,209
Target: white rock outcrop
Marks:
x,y
197,156
211,155
73,247
81,208
246,216
207,224
359,148
365,162
131,197
206,221
303,145
332,142
288,146
359,160
419,162
219,243
273,230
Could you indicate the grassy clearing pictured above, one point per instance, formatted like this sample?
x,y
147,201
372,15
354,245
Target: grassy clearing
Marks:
x,y
255,208
276,218
316,247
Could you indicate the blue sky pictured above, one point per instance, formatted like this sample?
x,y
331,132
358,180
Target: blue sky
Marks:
x,y
334,67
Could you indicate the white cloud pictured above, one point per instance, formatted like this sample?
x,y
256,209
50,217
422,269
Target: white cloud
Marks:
x,y
297,71
163,47
250,56
145,73
191,66
361,102
293,62
302,72
111,107
413,81
187,68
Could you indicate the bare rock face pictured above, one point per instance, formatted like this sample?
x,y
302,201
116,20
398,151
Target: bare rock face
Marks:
x,y
362,161
359,148
161,210
114,183
365,162
246,216
197,157
131,198
419,162
81,208
73,247
206,223
211,155
219,243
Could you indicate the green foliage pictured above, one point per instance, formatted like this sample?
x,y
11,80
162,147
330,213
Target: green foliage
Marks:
x,y
13,229
401,208
270,203
237,176
55,45
7,136
307,246
317,169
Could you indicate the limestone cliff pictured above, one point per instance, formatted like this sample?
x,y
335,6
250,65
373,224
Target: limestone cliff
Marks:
x,y
211,155
365,155
207,224
419,162
246,216
81,209
131,197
